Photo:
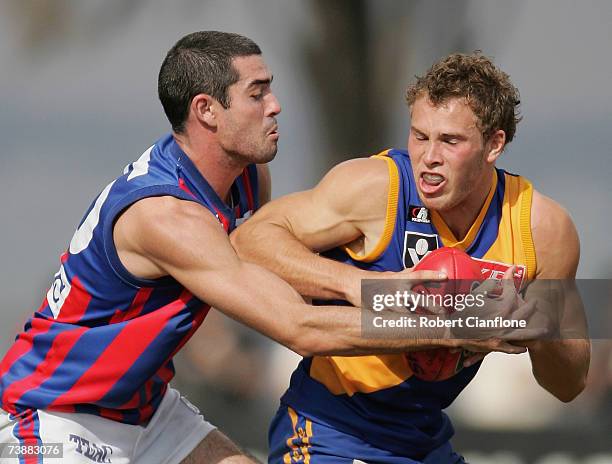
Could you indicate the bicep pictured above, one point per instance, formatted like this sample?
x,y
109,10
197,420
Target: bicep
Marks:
x,y
309,217
335,212
558,253
187,242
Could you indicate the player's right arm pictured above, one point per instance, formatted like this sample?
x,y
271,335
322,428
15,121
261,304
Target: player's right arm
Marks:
x,y
348,205
166,236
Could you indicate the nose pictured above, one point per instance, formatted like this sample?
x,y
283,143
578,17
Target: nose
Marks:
x,y
273,107
432,156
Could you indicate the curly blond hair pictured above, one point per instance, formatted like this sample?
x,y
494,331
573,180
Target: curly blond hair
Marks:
x,y
487,90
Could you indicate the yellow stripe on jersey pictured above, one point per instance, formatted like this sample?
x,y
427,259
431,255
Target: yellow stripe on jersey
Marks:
x,y
447,236
391,214
514,243
365,374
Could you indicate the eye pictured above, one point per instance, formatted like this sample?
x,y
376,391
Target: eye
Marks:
x,y
451,141
257,96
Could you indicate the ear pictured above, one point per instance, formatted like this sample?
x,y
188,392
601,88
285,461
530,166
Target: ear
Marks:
x,y
495,145
203,108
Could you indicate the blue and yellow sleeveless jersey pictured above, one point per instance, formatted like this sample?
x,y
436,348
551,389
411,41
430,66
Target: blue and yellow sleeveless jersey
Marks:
x,y
103,339
377,398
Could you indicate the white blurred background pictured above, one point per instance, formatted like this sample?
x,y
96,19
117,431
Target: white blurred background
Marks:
x,y
78,102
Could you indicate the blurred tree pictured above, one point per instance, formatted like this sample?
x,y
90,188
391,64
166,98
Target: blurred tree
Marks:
x,y
340,70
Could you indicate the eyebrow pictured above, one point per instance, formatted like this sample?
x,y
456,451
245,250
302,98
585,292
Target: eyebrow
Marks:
x,y
256,82
450,135
444,135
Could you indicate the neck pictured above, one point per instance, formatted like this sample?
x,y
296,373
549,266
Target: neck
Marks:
x,y
460,218
219,169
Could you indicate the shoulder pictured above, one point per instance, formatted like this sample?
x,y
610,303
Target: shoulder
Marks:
x,y
362,171
361,181
154,221
169,210
156,236
555,238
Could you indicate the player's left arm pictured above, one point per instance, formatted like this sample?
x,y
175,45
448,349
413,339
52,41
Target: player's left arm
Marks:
x,y
561,365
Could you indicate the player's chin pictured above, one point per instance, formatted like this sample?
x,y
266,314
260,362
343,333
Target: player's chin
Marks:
x,y
439,202
268,153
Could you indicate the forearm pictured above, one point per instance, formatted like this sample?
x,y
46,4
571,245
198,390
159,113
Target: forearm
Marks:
x,y
261,300
313,276
560,366
333,330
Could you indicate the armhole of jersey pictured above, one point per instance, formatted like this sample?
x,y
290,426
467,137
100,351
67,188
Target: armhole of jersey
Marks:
x,y
110,251
390,218
525,224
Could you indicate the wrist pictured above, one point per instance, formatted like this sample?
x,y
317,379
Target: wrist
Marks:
x,y
352,286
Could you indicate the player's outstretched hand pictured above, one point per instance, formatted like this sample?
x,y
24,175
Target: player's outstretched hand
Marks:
x,y
418,277
476,350
484,347
502,315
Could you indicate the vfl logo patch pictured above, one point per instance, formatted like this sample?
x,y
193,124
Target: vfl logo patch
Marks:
x,y
96,453
58,292
419,214
417,245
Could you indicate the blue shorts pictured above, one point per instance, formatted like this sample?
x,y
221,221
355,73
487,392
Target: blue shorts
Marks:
x,y
296,439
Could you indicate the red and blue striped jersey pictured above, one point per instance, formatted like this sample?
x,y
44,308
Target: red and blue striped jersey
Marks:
x,y
103,339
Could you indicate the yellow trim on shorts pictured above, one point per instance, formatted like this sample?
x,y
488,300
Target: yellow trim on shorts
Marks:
x,y
392,198
298,452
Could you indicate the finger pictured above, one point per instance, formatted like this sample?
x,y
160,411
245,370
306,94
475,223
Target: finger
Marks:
x,y
495,288
417,277
507,348
525,334
525,311
509,274
508,282
492,344
486,287
434,310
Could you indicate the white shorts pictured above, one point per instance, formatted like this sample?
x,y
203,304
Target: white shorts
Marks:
x,y
175,429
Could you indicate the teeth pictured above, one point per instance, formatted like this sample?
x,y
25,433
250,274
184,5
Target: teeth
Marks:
x,y
433,178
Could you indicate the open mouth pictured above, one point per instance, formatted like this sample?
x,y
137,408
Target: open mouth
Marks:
x,y
431,183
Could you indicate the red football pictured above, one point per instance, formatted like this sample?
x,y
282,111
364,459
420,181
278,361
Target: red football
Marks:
x,y
462,271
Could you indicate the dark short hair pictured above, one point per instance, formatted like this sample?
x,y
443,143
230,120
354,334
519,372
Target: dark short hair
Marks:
x,y
200,62
487,90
